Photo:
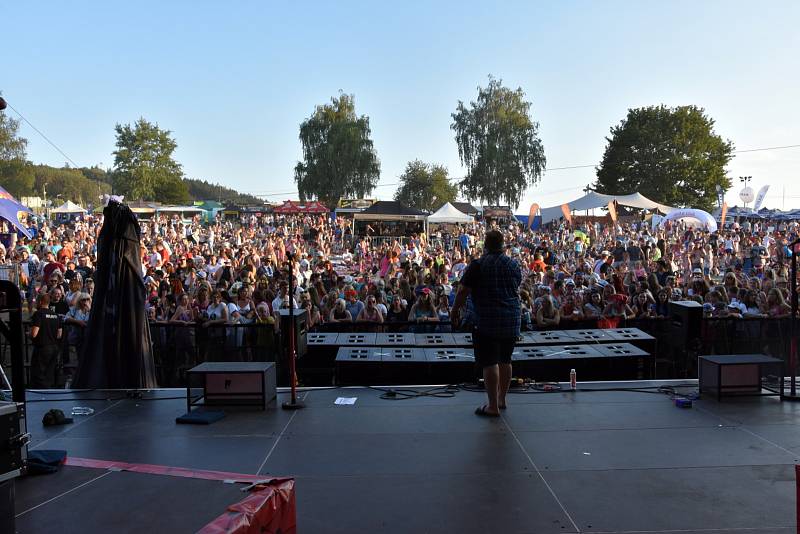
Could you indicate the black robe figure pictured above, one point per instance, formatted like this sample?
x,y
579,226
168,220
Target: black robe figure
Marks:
x,y
117,353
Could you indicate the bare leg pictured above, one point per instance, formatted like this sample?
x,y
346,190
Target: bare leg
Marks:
x,y
491,377
505,382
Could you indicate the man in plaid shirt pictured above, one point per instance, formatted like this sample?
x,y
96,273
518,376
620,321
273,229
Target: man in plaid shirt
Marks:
x,y
493,283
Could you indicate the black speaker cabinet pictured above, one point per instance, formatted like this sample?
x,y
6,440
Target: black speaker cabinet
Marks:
x,y
300,331
685,320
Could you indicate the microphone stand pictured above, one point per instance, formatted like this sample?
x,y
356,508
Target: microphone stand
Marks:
x,y
293,404
792,396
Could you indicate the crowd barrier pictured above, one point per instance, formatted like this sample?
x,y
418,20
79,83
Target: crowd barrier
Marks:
x,y
178,347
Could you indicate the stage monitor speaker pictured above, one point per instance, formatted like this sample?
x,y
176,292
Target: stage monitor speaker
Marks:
x,y
300,331
234,383
685,320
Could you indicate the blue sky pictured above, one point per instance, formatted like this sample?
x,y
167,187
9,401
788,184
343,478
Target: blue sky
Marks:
x,y
233,80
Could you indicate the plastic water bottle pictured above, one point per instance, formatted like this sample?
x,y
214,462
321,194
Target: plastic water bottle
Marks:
x,y
573,380
82,410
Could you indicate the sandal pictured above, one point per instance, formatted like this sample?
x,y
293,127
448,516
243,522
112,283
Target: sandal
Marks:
x,y
482,412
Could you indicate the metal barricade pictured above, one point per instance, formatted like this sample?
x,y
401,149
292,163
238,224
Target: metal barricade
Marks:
x,y
179,347
10,272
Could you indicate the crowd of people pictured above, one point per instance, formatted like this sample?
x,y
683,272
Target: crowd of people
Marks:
x,y
236,271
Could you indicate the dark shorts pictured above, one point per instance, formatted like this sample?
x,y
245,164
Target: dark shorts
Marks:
x,y
491,350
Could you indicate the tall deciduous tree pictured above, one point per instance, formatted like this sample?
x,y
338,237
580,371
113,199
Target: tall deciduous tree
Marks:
x,y
144,168
16,174
425,187
498,143
670,155
339,159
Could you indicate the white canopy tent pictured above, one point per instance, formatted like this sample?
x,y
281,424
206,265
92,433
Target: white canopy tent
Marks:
x,y
449,214
594,200
68,207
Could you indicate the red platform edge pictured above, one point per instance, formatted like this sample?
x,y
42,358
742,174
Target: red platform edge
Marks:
x,y
269,509
270,506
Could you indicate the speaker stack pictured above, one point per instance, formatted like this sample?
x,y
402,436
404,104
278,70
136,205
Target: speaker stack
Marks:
x,y
684,336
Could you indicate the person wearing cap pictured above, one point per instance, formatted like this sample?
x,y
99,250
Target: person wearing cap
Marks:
x,y
492,283
423,311
354,306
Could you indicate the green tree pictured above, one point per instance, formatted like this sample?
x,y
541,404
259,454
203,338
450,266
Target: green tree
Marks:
x,y
96,173
670,155
339,159
203,190
499,144
68,184
16,175
425,187
144,168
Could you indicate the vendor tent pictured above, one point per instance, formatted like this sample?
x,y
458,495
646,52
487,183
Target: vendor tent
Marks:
x,y
13,212
315,207
392,218
184,212
390,210
291,207
594,200
69,208
287,208
449,214
466,207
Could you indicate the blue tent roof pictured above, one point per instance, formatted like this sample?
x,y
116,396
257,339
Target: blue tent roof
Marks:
x,y
12,211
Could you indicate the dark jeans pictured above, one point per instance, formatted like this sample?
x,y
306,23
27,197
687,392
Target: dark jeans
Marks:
x,y
43,366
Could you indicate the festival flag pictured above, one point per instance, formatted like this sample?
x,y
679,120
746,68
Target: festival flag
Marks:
x,y
760,197
723,214
532,214
566,212
612,210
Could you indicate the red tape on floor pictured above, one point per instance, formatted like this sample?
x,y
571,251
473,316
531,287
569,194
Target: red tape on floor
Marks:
x,y
164,470
269,508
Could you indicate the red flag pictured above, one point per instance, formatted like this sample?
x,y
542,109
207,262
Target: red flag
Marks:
x,y
566,212
612,210
532,214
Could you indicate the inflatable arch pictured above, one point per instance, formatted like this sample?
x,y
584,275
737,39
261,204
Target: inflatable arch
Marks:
x,y
685,213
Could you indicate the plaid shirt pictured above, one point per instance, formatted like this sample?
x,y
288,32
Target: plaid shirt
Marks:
x,y
494,280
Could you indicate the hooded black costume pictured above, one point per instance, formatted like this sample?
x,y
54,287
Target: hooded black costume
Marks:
x,y
117,353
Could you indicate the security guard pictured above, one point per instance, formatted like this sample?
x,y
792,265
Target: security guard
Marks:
x,y
46,333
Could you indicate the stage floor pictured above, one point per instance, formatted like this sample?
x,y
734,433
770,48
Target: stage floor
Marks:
x,y
601,462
